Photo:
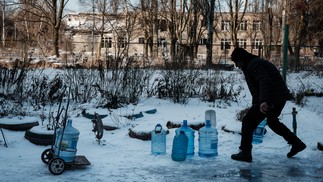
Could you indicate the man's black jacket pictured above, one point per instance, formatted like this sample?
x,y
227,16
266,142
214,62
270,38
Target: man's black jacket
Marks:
x,y
265,82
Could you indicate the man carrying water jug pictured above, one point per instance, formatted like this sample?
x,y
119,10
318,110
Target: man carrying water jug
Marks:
x,y
269,95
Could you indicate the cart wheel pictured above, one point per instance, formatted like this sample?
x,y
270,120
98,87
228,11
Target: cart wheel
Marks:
x,y
56,166
97,126
47,155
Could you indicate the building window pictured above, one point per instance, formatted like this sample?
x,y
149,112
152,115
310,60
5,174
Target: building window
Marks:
x,y
150,41
203,41
225,44
256,43
243,25
225,25
242,43
141,40
204,22
122,42
161,42
106,42
192,29
162,25
256,25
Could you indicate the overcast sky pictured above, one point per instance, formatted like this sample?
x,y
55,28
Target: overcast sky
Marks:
x,y
73,6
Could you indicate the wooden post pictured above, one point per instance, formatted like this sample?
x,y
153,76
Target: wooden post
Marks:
x,y
294,112
4,138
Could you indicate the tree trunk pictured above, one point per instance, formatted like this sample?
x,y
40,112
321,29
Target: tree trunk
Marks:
x,y
56,42
209,45
57,16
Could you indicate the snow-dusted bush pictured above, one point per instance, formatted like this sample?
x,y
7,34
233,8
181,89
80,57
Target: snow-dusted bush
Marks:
x,y
23,89
220,85
177,85
120,85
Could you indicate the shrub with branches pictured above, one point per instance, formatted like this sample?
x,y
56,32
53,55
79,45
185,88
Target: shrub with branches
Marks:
x,y
12,80
178,85
37,91
81,83
302,85
123,84
218,85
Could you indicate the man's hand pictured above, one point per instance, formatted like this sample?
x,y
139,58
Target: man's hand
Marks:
x,y
264,107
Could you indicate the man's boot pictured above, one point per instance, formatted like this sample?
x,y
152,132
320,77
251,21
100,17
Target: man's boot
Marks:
x,y
296,147
242,156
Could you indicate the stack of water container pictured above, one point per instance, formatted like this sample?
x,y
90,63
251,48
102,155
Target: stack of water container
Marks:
x,y
158,140
66,142
208,140
183,142
259,132
180,145
208,136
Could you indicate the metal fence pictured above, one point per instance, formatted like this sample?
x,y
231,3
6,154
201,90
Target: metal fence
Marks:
x,y
304,73
309,57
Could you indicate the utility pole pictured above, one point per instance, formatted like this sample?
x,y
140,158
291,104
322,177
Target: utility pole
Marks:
x,y
155,28
210,31
93,27
3,23
294,113
285,38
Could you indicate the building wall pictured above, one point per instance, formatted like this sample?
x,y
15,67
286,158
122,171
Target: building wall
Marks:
x,y
83,40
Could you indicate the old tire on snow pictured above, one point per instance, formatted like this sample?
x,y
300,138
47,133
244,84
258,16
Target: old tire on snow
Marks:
x,y
19,127
39,139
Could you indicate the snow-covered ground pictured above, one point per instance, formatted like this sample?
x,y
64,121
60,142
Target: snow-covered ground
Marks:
x,y
122,158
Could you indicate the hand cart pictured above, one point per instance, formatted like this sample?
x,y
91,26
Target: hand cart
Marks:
x,y
62,153
56,157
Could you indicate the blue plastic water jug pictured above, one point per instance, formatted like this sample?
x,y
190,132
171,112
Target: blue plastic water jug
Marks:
x,y
66,143
258,133
158,140
208,140
180,144
189,132
211,115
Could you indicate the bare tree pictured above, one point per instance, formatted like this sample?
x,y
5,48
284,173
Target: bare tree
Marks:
x,y
272,29
267,27
237,10
263,12
305,18
48,12
315,26
102,10
174,20
198,15
7,23
183,21
182,18
149,22
99,16
209,8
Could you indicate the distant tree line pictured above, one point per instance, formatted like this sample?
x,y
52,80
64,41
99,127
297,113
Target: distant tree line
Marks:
x,y
40,21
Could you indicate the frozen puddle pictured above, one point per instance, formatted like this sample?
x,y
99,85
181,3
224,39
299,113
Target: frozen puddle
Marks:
x,y
294,170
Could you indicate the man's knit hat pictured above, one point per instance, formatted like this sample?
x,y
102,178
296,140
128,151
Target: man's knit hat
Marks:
x,y
239,54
